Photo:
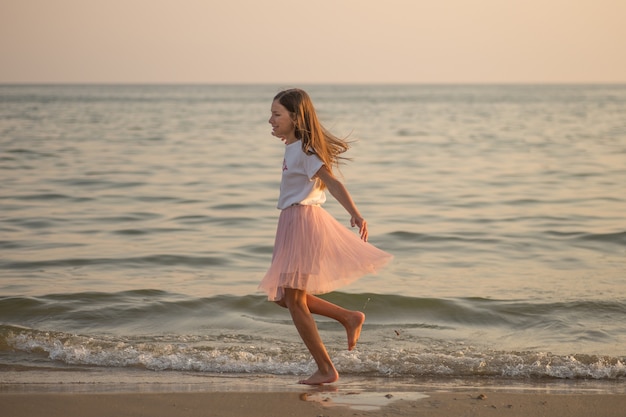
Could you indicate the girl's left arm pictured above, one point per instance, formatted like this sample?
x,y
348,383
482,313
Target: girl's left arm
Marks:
x,y
341,194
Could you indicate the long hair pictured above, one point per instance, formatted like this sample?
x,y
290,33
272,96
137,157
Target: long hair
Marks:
x,y
314,137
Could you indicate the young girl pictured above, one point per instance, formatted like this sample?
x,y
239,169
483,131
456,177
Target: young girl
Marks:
x,y
313,253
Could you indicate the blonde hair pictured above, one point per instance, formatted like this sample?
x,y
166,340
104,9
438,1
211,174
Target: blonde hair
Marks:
x,y
314,137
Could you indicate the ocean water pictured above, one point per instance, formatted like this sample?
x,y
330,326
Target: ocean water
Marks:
x,y
136,222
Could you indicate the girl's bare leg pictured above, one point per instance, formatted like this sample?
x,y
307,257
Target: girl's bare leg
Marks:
x,y
296,302
352,321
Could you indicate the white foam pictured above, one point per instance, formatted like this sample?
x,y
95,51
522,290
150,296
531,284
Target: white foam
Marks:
x,y
292,359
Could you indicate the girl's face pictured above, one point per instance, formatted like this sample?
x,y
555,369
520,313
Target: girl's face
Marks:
x,y
282,123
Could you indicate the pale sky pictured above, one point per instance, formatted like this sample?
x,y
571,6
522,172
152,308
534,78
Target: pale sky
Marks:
x,y
313,41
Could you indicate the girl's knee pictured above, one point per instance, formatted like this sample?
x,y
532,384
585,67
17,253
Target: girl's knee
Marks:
x,y
294,297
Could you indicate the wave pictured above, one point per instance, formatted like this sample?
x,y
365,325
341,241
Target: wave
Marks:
x,y
618,238
131,262
382,309
614,238
404,336
236,353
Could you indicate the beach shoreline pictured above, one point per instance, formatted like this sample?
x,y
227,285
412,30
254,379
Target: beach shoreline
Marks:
x,y
109,392
475,402
90,379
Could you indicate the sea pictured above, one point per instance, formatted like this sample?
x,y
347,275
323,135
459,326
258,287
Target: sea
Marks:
x,y
136,222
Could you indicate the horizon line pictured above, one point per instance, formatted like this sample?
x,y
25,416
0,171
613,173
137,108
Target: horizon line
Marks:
x,y
309,83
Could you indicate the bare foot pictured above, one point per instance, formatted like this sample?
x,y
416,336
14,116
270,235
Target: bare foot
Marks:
x,y
353,328
320,378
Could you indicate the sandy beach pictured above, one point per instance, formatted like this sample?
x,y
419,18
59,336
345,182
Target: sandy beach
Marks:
x,y
244,404
108,392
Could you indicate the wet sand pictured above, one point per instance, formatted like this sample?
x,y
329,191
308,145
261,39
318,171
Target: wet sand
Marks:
x,y
244,404
106,392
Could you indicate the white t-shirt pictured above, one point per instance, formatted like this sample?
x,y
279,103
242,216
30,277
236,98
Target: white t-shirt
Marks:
x,y
298,185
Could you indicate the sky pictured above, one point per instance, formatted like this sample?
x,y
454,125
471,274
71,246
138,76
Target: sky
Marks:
x,y
312,41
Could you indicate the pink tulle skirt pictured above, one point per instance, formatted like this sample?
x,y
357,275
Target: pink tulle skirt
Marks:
x,y
315,253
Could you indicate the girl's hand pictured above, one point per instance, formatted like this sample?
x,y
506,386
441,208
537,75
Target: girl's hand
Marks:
x,y
362,224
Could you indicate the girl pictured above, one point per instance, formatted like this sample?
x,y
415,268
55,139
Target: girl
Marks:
x,y
313,253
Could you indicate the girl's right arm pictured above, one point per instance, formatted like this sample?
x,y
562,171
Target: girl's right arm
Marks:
x,y
341,194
